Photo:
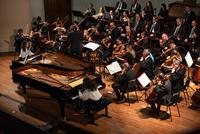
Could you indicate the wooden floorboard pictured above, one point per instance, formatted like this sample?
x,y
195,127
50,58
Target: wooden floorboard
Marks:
x,y
125,119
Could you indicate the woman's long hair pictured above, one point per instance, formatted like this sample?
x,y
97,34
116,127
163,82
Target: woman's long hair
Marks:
x,y
88,84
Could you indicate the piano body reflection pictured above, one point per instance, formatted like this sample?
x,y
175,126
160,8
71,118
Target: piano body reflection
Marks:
x,y
54,60
61,83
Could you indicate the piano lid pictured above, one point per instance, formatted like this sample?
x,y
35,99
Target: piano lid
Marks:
x,y
58,60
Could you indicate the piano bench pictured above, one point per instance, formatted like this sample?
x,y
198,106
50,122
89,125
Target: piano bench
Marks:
x,y
96,108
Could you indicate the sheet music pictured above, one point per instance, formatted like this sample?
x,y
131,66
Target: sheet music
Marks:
x,y
93,46
188,59
114,68
144,80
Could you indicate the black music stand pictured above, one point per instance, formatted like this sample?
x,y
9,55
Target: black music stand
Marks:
x,y
77,13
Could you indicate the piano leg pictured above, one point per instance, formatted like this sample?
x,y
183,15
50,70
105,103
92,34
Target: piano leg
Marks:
x,y
23,88
62,108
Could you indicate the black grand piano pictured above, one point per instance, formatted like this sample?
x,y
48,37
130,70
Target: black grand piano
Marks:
x,y
59,75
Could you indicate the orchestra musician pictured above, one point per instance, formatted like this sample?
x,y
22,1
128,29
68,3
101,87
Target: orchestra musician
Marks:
x,y
163,13
177,76
147,63
90,11
111,15
19,39
167,66
193,36
100,14
26,50
148,10
154,28
179,31
189,15
135,8
121,85
161,93
120,5
90,96
137,25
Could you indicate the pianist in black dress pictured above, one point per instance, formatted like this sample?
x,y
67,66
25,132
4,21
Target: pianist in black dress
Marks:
x,y
90,96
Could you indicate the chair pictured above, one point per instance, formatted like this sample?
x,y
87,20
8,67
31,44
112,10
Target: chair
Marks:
x,y
185,90
173,102
132,86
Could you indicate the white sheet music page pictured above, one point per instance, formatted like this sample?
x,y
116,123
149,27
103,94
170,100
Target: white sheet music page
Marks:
x,y
91,45
144,80
114,68
188,59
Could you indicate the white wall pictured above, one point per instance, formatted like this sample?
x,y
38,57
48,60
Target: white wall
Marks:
x,y
16,14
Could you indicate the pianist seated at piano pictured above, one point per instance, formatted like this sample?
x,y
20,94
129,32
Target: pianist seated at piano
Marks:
x,y
25,51
90,96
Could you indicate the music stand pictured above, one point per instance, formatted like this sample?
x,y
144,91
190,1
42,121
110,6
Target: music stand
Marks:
x,y
77,14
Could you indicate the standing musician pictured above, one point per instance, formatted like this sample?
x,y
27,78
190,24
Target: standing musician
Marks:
x,y
137,25
135,8
189,15
120,5
75,37
121,85
19,39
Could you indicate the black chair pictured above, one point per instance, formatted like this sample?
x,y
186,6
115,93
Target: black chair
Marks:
x,y
185,90
173,102
132,87
96,108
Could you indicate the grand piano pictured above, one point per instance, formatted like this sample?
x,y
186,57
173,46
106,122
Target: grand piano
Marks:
x,y
59,75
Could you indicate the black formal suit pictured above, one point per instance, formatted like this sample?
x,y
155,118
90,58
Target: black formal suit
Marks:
x,y
157,28
135,9
189,17
147,67
177,79
118,7
75,38
124,5
121,86
179,32
19,39
139,28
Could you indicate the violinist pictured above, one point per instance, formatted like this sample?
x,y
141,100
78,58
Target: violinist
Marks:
x,y
128,55
90,11
100,14
154,28
19,39
161,94
135,8
168,64
177,76
118,48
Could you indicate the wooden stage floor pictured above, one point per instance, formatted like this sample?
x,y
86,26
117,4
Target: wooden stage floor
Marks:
x,y
38,109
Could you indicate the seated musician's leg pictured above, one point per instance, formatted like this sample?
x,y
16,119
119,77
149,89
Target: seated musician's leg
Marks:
x,y
116,87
